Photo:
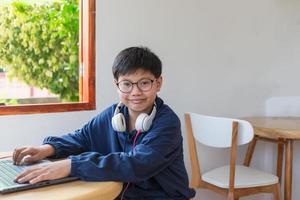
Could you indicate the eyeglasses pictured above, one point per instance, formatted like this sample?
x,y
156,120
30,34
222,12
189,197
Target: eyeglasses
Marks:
x,y
143,84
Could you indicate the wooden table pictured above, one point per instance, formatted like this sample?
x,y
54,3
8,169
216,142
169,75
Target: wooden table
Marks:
x,y
283,131
75,190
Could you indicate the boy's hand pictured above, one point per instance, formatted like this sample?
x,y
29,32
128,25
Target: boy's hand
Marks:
x,y
49,171
32,154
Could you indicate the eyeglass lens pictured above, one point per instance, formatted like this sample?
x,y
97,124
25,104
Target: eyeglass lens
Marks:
x,y
143,84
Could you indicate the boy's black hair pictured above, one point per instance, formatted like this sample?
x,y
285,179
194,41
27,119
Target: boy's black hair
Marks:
x,y
133,58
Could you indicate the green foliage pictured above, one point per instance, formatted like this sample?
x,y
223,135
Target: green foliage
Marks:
x,y
39,45
8,101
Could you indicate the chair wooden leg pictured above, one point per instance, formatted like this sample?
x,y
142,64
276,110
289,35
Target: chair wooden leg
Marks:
x,y
249,152
276,192
279,160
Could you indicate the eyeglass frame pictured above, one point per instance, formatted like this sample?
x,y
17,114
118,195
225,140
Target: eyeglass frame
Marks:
x,y
136,83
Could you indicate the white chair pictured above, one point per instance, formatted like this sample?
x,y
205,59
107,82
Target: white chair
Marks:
x,y
232,180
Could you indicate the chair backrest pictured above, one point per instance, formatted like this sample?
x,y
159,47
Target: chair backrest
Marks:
x,y
217,131
283,106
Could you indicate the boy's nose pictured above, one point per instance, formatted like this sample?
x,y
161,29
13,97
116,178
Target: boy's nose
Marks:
x,y
135,89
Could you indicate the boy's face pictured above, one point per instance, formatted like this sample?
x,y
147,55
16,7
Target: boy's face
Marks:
x,y
138,101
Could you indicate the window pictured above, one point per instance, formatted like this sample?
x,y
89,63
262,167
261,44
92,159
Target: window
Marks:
x,y
86,71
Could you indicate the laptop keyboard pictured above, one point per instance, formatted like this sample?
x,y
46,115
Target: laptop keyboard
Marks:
x,y
8,173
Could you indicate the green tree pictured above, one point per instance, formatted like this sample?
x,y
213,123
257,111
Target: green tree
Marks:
x,y
39,45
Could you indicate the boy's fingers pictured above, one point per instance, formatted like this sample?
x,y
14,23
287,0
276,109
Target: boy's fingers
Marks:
x,y
19,157
31,159
16,154
27,175
21,175
39,178
22,154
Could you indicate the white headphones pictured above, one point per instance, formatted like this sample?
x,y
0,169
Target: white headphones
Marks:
x,y
142,123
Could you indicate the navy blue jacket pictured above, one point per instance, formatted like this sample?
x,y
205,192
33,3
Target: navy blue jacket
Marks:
x,y
154,168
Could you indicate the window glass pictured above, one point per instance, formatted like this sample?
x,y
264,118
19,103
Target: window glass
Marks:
x,y
42,56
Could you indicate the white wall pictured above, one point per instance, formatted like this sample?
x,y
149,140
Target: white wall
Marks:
x,y
219,57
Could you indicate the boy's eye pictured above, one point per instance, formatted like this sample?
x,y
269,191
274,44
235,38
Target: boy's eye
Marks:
x,y
125,83
144,82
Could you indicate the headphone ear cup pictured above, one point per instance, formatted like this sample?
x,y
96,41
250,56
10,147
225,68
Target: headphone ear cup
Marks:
x,y
118,122
143,122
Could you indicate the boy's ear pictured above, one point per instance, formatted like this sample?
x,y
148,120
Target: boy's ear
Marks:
x,y
159,83
114,82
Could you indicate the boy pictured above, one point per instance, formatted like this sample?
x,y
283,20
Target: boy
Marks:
x,y
137,141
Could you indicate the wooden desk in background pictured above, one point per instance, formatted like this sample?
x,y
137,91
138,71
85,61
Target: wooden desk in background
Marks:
x,y
283,131
75,190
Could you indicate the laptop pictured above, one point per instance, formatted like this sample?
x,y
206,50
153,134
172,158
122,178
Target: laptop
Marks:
x,y
9,171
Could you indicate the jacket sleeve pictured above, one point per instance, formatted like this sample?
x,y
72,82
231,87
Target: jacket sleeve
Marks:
x,y
158,149
73,143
